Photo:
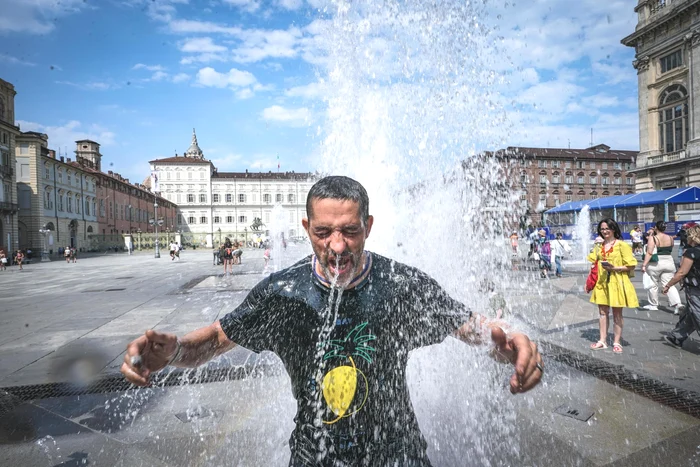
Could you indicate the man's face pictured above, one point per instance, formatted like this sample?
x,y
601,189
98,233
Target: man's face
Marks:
x,y
338,238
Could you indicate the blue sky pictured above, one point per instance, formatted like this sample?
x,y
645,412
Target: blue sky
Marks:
x,y
138,75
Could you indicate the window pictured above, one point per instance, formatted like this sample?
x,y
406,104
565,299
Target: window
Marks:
x,y
543,179
267,198
617,165
673,119
605,165
594,180
87,207
580,179
203,220
556,200
191,220
216,197
202,176
555,164
291,216
630,181
48,201
241,198
523,178
242,219
47,173
202,198
617,181
77,205
60,176
556,178
189,175
523,196
229,219
542,164
290,198
180,219
671,61
278,198
24,148
190,198
60,202
580,164
569,196
567,164
229,198
217,220
177,175
606,180
68,178
569,179
628,166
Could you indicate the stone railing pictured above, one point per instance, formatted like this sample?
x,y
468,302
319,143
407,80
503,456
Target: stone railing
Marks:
x,y
5,206
664,158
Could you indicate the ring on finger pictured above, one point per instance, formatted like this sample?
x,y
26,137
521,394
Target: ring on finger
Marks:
x,y
539,367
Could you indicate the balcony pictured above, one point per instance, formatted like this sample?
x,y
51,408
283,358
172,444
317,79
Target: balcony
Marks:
x,y
8,207
665,158
5,171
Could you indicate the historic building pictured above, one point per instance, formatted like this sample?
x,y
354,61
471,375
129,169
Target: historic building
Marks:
x,y
213,204
667,60
9,239
548,177
121,207
54,197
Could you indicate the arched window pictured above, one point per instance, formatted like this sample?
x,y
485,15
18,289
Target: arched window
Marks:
x,y
89,229
673,119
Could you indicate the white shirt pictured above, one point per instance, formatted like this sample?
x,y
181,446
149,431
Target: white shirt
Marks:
x,y
636,236
560,247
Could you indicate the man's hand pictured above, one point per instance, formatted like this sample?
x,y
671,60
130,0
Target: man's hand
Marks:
x,y
522,352
147,355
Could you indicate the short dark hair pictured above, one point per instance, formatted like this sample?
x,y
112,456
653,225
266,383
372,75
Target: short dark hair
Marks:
x,y
559,235
660,226
611,224
340,188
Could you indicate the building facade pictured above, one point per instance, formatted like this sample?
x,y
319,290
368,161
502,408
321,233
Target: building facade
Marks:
x,y
9,239
121,207
54,197
548,177
214,205
667,60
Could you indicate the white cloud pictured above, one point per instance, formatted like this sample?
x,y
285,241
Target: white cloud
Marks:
x,y
246,5
65,136
159,76
259,44
245,93
90,85
229,162
200,45
5,58
141,66
181,78
234,78
203,58
292,117
309,91
36,16
185,26
290,4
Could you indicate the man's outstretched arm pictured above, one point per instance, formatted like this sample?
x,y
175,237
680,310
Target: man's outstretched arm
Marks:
x,y
155,350
516,348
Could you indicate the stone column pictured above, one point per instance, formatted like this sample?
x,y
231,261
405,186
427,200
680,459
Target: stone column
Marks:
x,y
692,42
642,67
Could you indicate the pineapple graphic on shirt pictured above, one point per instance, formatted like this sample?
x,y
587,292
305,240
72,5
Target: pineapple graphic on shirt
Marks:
x,y
340,385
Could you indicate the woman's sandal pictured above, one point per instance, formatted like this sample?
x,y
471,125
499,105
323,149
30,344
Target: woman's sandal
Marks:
x,y
600,345
617,348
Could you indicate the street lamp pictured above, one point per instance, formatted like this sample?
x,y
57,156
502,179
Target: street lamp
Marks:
x,y
155,222
219,230
129,219
138,231
44,255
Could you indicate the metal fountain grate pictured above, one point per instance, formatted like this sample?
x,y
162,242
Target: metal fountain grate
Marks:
x,y
117,383
676,398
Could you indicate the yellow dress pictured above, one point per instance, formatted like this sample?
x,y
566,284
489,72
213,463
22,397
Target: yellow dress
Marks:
x,y
618,291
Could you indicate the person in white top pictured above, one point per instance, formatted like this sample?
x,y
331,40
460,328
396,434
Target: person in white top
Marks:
x,y
636,236
560,248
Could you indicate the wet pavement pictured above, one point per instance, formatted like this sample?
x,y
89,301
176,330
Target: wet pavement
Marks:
x,y
70,323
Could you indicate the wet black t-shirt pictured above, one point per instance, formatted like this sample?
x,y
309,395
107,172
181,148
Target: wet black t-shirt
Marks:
x,y
692,279
346,355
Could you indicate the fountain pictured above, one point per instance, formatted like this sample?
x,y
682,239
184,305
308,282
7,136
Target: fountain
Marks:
x,y
581,244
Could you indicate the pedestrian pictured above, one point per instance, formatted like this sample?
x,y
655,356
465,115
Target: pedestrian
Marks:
x,y
683,239
614,288
560,248
66,254
514,243
343,321
177,251
3,259
266,256
544,251
227,255
636,236
689,274
19,258
659,264
236,256
172,251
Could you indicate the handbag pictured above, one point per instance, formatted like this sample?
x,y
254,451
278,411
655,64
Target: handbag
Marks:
x,y
536,256
654,256
592,278
647,281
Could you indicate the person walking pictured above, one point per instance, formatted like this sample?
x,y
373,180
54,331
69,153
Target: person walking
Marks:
x,y
560,248
172,251
228,255
66,254
3,259
613,288
636,236
544,251
689,274
659,264
514,243
19,258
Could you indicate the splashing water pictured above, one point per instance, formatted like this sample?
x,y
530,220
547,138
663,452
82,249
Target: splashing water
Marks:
x,y
583,231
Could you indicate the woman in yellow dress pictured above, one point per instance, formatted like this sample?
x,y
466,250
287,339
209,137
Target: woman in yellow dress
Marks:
x,y
614,288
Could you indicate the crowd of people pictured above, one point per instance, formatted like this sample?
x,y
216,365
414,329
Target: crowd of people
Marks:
x,y
18,258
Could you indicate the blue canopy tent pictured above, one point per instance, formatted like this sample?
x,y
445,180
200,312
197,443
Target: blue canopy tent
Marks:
x,y
685,195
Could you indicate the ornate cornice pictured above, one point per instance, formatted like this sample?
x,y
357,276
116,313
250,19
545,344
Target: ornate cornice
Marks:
x,y
693,38
641,64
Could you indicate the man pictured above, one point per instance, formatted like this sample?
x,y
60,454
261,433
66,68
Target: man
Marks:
x,y
560,247
343,321
636,236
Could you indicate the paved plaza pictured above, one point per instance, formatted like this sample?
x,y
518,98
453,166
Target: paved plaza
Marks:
x,y
69,323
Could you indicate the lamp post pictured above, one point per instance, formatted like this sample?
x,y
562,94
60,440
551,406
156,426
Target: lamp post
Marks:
x,y
156,222
138,231
245,229
219,230
129,219
44,231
